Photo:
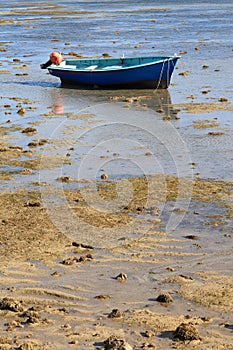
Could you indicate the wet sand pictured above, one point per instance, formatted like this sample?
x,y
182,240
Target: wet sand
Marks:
x,y
59,293
120,242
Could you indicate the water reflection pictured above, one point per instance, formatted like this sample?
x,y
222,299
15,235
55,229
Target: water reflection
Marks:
x,y
69,100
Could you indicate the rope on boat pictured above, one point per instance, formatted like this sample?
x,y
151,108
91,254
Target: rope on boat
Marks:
x,y
160,77
168,69
161,73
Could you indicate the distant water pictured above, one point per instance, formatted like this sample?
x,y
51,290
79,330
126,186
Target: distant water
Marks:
x,y
95,27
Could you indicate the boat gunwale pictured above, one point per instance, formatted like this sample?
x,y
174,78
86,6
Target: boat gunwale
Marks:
x,y
102,70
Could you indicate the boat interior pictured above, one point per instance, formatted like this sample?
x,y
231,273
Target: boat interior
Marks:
x,y
110,63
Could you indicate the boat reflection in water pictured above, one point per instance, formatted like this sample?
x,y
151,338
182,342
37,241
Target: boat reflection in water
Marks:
x,y
70,100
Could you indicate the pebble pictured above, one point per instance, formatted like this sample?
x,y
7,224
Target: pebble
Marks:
x,y
26,172
114,343
102,297
29,130
122,277
186,277
115,313
186,332
223,99
191,237
104,176
22,111
184,73
164,298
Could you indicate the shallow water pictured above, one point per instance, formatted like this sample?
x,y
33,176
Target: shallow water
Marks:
x,y
95,132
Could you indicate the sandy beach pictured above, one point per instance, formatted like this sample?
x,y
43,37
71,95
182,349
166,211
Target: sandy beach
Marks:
x,y
116,206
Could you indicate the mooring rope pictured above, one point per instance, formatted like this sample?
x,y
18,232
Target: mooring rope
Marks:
x,y
160,77
168,70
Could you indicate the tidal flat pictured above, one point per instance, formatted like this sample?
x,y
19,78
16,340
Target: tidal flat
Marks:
x,y
116,205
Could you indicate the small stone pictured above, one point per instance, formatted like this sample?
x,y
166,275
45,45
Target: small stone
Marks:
x,y
70,261
194,237
115,313
66,326
74,342
21,111
205,319
102,297
229,235
89,257
81,245
33,144
104,176
171,269
148,154
184,74
186,277
215,133
56,274
63,179
37,143
33,204
18,148
26,172
29,130
114,343
122,277
148,346
149,334
75,259
186,332
164,298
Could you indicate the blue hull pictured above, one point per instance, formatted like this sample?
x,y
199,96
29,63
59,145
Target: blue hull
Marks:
x,y
134,73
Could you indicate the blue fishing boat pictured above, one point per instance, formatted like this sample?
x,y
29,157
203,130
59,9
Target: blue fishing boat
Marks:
x,y
150,72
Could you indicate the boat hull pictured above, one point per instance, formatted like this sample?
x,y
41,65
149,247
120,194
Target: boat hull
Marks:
x,y
117,73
